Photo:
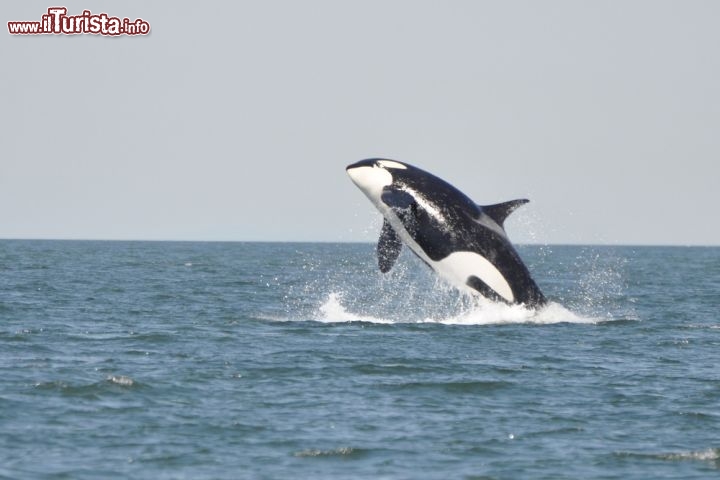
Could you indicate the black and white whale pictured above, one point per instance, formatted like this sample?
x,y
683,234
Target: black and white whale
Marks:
x,y
463,242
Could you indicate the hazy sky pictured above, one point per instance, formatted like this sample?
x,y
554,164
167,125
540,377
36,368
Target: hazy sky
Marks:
x,y
235,120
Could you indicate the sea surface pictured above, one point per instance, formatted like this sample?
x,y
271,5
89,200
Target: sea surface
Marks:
x,y
161,360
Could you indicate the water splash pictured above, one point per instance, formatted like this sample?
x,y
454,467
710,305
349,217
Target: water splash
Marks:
x,y
333,311
482,312
345,286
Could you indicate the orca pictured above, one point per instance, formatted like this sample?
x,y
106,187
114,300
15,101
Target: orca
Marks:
x,y
465,243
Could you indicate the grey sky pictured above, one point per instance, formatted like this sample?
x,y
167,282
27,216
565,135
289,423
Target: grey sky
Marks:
x,y
235,120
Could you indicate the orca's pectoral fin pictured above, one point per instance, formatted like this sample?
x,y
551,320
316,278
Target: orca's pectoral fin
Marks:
x,y
500,211
388,247
402,204
397,199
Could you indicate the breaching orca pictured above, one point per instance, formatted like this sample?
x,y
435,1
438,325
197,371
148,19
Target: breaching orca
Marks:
x,y
463,242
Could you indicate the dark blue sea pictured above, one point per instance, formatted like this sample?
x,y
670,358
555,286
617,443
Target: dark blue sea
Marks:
x,y
161,360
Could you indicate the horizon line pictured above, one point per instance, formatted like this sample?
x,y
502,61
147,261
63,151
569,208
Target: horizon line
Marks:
x,y
140,240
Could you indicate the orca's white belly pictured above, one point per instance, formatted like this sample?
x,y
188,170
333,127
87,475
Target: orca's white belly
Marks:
x,y
457,267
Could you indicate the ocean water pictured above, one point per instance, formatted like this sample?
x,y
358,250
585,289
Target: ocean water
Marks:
x,y
270,360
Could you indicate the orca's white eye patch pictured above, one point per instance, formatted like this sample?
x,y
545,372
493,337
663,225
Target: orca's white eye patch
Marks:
x,y
391,164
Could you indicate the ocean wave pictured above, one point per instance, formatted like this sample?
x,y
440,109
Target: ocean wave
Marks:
x,y
335,452
92,390
710,455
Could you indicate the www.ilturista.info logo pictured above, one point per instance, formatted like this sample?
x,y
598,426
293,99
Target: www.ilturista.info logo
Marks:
x,y
58,22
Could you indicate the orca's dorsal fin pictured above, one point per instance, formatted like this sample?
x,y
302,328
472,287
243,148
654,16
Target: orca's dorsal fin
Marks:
x,y
500,211
388,247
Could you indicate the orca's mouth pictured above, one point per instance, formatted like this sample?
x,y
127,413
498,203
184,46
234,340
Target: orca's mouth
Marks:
x,y
377,162
368,162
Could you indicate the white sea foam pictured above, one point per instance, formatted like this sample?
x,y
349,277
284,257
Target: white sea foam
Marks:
x,y
480,313
123,380
711,454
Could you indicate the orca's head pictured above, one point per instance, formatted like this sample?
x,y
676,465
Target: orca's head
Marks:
x,y
373,174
